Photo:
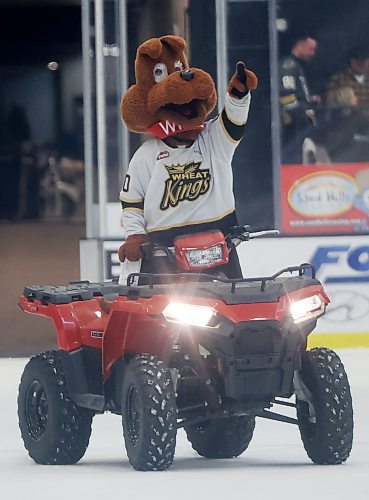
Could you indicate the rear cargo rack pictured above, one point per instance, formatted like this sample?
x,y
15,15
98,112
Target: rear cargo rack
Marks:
x,y
159,279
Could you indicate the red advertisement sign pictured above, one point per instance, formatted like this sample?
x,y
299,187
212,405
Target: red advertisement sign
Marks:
x,y
329,198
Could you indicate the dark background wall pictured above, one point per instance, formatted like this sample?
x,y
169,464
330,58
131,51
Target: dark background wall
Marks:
x,y
338,26
30,38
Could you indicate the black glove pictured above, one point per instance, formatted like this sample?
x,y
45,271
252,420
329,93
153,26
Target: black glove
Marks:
x,y
242,81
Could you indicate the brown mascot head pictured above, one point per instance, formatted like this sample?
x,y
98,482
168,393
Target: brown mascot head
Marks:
x,y
166,88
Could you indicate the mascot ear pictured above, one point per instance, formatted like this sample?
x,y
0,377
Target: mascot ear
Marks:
x,y
152,48
175,42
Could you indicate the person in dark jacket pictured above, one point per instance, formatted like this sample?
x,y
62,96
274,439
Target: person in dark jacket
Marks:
x,y
297,104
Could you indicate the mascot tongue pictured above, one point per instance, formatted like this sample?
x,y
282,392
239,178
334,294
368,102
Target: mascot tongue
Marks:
x,y
165,128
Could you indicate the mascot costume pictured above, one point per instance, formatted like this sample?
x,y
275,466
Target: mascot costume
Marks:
x,y
180,180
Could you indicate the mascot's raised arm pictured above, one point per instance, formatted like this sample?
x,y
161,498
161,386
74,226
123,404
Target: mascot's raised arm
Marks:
x,y
180,180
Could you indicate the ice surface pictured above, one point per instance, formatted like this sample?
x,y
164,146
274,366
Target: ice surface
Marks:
x,y
275,465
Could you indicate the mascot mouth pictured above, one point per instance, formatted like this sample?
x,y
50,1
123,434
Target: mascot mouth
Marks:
x,y
188,110
185,103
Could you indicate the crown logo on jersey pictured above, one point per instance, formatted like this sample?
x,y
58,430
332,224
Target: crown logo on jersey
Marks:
x,y
183,169
186,182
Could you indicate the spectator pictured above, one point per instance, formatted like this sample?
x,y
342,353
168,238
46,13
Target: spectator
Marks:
x,y
356,76
297,104
29,182
341,97
15,131
342,133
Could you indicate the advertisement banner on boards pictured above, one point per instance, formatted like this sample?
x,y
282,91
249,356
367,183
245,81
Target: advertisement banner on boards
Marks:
x,y
329,198
342,265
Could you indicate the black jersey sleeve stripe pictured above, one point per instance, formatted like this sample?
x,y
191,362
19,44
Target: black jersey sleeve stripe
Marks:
x,y
139,205
234,131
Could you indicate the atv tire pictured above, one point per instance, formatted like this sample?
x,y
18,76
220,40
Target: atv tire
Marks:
x,y
327,435
149,415
221,438
54,430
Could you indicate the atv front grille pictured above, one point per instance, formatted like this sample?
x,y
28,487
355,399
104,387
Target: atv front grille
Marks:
x,y
262,341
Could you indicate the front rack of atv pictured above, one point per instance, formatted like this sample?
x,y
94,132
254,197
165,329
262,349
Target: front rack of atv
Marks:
x,y
84,290
157,279
73,292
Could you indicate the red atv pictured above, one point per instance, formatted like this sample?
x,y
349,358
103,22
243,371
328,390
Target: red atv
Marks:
x,y
201,352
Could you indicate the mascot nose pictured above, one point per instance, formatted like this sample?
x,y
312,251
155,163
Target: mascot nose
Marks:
x,y
187,75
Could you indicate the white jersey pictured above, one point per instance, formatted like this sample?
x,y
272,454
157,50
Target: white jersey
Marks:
x,y
170,191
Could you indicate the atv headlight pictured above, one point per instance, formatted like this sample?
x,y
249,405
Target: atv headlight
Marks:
x,y
205,257
188,314
308,308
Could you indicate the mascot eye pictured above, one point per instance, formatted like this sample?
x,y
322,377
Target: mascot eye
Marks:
x,y
178,66
160,72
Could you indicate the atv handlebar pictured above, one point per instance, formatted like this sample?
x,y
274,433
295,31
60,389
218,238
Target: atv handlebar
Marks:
x,y
237,235
245,234
154,249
